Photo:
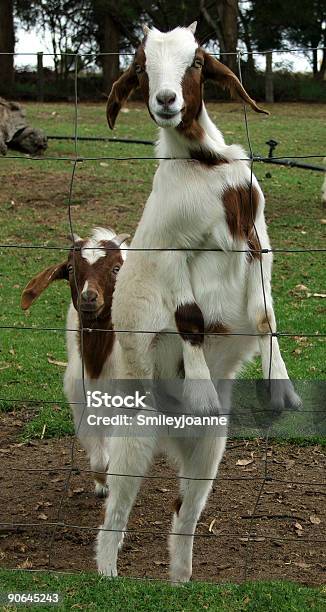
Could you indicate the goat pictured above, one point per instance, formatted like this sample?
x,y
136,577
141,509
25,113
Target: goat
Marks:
x,y
91,269
205,197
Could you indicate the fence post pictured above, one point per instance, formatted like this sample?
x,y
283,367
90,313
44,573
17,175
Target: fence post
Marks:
x,y
40,77
269,83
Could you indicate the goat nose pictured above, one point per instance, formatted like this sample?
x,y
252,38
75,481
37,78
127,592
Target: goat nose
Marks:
x,y
166,97
90,296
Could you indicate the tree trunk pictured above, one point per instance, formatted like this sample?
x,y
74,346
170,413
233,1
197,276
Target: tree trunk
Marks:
x,y
269,84
322,70
228,14
315,62
7,45
251,68
110,43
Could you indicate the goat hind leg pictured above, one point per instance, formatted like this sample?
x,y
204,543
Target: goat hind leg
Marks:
x,y
130,458
202,463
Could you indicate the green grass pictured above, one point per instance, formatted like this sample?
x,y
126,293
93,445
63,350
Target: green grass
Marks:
x,y
91,592
34,206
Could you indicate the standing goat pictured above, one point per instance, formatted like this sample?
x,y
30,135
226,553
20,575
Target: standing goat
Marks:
x,y
205,198
91,269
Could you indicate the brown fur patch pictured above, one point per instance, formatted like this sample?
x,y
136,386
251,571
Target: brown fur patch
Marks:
x,y
177,505
264,325
217,328
254,247
190,323
207,157
96,346
241,205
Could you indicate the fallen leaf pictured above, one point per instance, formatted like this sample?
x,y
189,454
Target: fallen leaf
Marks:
x,y
298,526
62,364
323,221
160,563
314,519
244,462
317,295
211,525
42,516
302,565
27,564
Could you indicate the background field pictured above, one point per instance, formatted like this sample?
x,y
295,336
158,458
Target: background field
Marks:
x,y
33,211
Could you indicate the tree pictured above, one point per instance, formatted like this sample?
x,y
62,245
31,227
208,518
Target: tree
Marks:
x,y
69,24
225,24
116,29
308,28
304,26
7,45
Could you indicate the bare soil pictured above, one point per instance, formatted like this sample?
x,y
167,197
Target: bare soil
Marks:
x,y
288,525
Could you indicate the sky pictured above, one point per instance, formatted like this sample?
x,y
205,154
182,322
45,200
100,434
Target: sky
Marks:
x,y
32,42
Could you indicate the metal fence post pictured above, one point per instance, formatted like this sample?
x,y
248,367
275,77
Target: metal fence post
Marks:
x,y
40,77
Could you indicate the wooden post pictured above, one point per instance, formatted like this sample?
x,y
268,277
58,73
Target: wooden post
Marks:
x,y
40,77
269,84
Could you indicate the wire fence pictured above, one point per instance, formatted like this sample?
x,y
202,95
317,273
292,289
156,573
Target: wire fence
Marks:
x,y
59,522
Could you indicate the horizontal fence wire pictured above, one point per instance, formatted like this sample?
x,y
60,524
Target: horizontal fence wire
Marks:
x,y
250,536
162,250
170,332
239,52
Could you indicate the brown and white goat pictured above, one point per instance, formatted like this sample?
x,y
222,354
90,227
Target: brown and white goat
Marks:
x,y
91,270
205,198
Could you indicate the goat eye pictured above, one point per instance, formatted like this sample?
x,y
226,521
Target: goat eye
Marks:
x,y
138,69
116,269
198,63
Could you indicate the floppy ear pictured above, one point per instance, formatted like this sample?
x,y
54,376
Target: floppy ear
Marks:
x,y
41,281
221,74
120,91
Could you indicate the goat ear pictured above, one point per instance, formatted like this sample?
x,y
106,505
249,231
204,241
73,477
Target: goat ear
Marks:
x,y
221,74
41,281
120,92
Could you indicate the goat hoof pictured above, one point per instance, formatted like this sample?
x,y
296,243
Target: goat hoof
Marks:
x,y
101,491
279,396
180,577
284,397
108,571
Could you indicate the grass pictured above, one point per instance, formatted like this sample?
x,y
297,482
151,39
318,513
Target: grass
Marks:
x,y
92,592
34,207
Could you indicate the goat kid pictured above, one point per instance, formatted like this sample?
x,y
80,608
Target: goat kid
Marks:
x,y
91,270
207,198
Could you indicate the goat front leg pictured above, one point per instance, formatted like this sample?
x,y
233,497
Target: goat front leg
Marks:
x,y
262,317
202,463
130,458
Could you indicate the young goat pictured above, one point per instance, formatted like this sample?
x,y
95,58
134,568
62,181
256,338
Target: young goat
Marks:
x,y
207,198
91,270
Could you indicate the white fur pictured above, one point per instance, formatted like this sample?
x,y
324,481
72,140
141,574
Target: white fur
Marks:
x,y
185,210
92,250
167,57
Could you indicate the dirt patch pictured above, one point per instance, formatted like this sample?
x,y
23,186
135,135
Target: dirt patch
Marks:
x,y
289,528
